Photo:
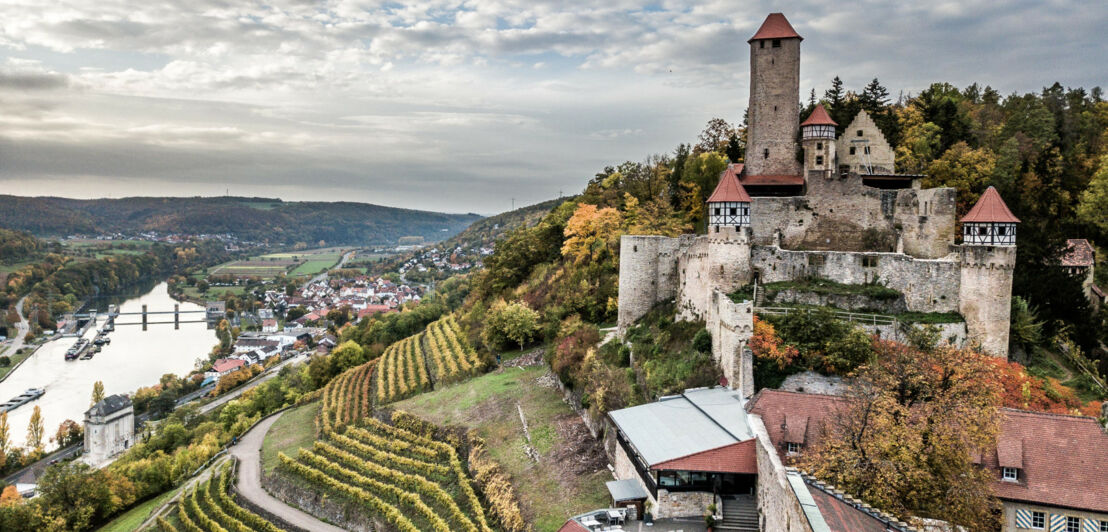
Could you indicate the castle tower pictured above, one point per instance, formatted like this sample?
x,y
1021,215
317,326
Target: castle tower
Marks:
x,y
988,259
729,235
817,134
728,207
774,99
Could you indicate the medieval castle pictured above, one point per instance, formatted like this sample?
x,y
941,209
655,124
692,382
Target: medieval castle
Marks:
x,y
838,212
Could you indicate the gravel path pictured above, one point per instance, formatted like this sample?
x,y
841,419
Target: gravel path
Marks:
x,y
249,452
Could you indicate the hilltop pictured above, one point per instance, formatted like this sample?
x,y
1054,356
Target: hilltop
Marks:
x,y
256,219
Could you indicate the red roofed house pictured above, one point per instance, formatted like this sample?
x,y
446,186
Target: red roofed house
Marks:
x,y
1079,260
1051,469
729,205
224,366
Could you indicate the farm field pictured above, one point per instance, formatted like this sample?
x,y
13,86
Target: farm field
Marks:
x,y
307,262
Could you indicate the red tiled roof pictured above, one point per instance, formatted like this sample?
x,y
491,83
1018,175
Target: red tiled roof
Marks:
x,y
227,364
990,208
738,457
819,117
1009,452
842,516
573,526
1065,460
783,411
1079,252
729,189
776,26
766,180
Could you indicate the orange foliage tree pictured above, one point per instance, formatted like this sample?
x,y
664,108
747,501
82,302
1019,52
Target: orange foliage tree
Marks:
x,y
765,344
1019,389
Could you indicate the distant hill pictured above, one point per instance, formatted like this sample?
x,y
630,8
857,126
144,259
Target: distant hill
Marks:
x,y
488,230
258,219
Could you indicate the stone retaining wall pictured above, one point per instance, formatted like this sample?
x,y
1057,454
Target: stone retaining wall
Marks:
x,y
336,511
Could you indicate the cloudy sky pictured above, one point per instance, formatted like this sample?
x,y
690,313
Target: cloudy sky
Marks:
x,y
444,105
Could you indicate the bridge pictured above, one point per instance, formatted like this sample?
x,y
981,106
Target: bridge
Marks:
x,y
146,316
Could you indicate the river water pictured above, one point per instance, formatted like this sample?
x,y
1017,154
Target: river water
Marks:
x,y
133,359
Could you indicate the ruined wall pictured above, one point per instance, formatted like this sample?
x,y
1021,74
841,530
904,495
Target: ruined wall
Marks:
x,y
986,295
843,214
710,262
778,507
731,325
928,285
881,155
774,108
647,275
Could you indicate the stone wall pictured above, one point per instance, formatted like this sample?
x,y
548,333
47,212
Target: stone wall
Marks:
x,y
682,504
731,325
928,285
778,507
647,275
843,214
986,295
952,333
707,263
334,510
855,302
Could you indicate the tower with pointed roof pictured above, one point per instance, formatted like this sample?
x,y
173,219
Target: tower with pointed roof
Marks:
x,y
728,206
988,261
774,99
817,134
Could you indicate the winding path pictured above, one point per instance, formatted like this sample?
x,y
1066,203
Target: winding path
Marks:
x,y
248,451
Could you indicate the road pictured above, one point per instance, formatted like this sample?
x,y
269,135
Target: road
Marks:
x,y
248,451
269,374
23,327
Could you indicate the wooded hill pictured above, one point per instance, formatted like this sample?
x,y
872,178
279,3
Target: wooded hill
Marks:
x,y
256,219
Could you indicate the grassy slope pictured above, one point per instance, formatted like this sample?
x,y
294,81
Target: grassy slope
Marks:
x,y
135,516
549,491
294,430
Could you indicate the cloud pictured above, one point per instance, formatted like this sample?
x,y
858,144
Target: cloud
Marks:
x,y
455,105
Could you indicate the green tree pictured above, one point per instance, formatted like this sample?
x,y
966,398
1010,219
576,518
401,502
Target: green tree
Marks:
x,y
347,355
715,136
510,321
735,149
965,169
1093,205
97,392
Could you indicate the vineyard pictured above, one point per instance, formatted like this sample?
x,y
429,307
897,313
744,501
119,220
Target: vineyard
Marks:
x,y
413,365
411,480
347,398
209,507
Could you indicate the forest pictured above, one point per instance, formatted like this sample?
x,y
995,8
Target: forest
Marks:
x,y
254,219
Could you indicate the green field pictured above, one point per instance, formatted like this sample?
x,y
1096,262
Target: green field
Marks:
x,y
294,430
307,262
488,404
16,359
135,516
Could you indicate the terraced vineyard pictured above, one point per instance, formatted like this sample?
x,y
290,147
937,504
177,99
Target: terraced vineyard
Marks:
x,y
209,507
412,481
439,354
348,397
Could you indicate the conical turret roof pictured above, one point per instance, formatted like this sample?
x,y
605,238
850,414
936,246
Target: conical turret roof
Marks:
x,y
819,117
776,26
729,189
990,209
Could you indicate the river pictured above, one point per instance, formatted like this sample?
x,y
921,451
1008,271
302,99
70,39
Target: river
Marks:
x,y
133,359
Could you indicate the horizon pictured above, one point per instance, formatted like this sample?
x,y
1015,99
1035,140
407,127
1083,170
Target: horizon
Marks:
x,y
447,108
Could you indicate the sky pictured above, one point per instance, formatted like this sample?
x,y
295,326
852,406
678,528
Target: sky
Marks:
x,y
452,106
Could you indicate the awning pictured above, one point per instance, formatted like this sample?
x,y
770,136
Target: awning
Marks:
x,y
626,490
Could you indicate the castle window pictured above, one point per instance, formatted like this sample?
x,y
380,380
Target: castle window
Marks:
x,y
815,260
867,150
765,153
1001,230
1073,524
859,132
731,211
1038,520
819,159
852,150
819,145
774,107
717,211
717,228
1011,474
777,43
792,448
869,261
761,44
736,228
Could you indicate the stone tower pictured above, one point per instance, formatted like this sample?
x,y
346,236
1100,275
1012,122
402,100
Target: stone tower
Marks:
x,y
988,260
728,235
817,134
774,99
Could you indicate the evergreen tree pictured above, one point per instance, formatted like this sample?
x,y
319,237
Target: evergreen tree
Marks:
x,y
734,149
835,94
874,97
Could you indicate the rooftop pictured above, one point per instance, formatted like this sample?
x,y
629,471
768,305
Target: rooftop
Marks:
x,y
681,426
776,26
109,405
729,190
1079,252
990,209
830,510
819,117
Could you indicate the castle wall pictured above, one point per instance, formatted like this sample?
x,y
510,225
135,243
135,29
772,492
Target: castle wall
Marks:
x,y
843,214
647,275
778,507
986,295
709,262
928,285
731,325
774,107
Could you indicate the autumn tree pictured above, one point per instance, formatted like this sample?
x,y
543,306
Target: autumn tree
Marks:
x,y
1093,205
97,392
766,345
69,432
35,430
347,355
715,136
591,232
906,436
965,169
5,438
10,495
510,321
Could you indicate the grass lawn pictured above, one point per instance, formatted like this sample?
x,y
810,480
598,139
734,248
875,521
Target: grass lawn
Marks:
x,y
16,359
135,516
295,429
314,266
565,481
214,292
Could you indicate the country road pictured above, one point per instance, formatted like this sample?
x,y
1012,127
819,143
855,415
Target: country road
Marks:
x,y
248,451
22,326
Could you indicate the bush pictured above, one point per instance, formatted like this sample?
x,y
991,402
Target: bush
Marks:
x,y
5,361
702,342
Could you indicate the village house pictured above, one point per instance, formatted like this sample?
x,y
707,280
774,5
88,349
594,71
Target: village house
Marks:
x,y
224,366
1079,260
